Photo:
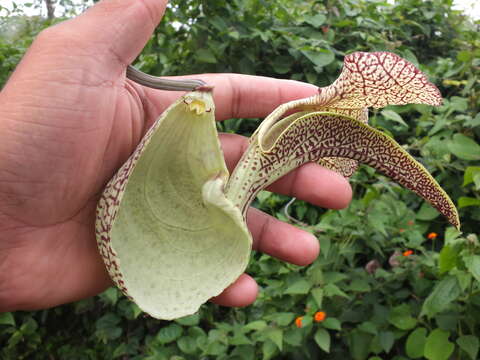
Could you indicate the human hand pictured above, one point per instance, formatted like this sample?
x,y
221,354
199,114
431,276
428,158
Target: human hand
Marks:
x,y
69,119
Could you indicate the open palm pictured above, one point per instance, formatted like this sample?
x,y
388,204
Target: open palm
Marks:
x,y
69,119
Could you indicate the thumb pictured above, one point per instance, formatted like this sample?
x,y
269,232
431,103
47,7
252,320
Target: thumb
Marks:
x,y
119,29
101,42
93,48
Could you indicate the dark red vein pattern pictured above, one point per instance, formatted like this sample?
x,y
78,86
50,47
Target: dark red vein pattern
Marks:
x,y
343,166
373,79
107,209
376,80
320,135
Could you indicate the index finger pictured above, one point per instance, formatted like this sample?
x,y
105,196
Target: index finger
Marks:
x,y
240,96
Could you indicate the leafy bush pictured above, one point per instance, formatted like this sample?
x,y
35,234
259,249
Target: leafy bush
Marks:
x,y
393,281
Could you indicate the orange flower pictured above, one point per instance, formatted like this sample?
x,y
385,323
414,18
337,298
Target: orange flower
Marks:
x,y
432,236
298,321
408,253
319,316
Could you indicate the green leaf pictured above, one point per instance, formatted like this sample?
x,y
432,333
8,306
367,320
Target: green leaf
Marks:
x,y
458,103
386,339
187,344
136,311
325,245
301,210
464,201
7,319
317,294
312,215
205,55
108,327
269,349
299,287
472,262
448,259
263,196
239,338
190,320
464,55
29,327
360,285
368,327
370,195
427,212
16,337
316,20
473,122
243,352
469,344
199,334
108,320
410,56
451,235
444,293
393,116
215,348
169,333
281,318
415,344
437,346
400,316
320,57
120,350
331,290
472,174
332,323
377,221
447,321
281,64
293,337
218,23
110,296
276,335
307,321
359,344
464,147
256,325
334,277
322,338
234,34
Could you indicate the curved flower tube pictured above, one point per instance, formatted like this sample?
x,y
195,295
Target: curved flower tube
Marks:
x,y
171,223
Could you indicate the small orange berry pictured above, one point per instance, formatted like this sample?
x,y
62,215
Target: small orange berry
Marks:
x,y
410,222
298,321
432,236
407,253
401,230
319,316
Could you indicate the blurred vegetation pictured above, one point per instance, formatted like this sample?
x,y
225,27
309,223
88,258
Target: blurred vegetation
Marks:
x,y
394,281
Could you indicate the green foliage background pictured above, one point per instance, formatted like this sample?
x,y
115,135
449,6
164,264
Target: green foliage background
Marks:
x,y
426,305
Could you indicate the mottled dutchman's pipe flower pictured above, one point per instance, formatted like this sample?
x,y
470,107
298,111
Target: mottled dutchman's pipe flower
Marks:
x,y
171,223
